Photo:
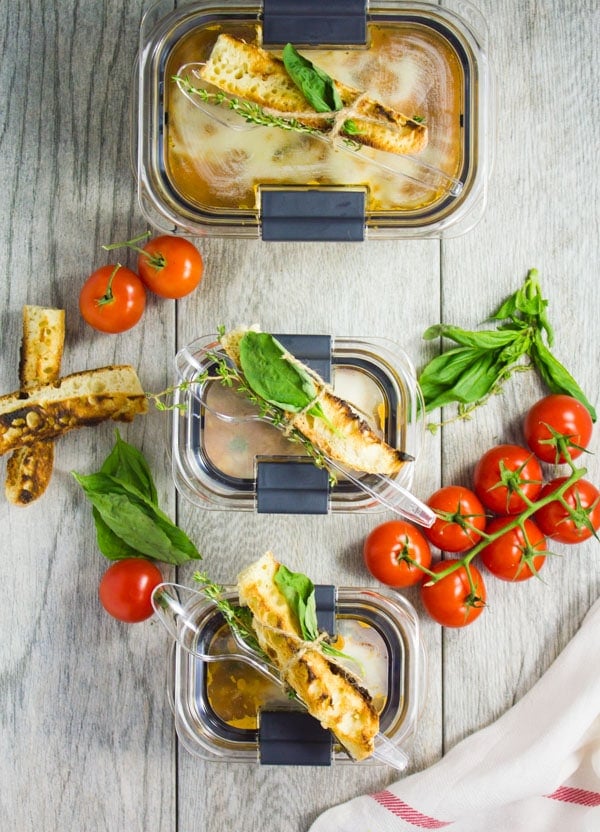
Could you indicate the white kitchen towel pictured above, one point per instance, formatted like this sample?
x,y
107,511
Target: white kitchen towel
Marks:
x,y
536,769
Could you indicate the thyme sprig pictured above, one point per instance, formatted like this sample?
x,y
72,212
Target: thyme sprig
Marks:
x,y
254,113
238,618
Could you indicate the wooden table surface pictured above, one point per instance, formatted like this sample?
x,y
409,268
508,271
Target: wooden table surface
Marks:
x,y
87,734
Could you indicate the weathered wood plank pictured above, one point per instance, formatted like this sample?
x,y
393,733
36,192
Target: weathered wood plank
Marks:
x,y
542,212
86,723
87,734
382,288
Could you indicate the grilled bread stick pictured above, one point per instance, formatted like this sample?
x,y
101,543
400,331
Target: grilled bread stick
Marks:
x,y
249,72
29,470
330,693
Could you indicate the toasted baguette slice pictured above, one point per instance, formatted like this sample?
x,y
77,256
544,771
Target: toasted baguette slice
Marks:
x,y
330,694
245,70
343,435
42,345
86,398
29,470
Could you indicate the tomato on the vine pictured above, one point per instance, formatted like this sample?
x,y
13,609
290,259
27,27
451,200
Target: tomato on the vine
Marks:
x,y
581,522
394,551
460,519
171,267
554,416
126,589
454,600
503,472
112,299
514,555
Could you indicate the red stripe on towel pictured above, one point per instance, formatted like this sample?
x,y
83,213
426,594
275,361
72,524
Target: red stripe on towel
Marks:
x,y
582,797
402,810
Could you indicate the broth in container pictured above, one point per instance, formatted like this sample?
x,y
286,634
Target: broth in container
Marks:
x,y
407,66
204,169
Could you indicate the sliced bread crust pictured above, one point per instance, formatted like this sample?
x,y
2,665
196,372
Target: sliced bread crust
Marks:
x,y
29,470
81,399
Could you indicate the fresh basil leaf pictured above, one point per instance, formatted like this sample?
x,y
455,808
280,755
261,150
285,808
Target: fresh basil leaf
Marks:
x,y
299,592
109,543
129,465
473,383
506,310
513,351
532,304
466,374
136,520
556,376
315,85
484,339
272,376
444,370
482,376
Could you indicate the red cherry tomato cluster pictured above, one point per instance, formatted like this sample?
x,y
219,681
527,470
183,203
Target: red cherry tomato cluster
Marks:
x,y
113,298
506,519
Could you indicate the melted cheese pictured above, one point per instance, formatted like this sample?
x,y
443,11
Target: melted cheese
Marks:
x,y
409,67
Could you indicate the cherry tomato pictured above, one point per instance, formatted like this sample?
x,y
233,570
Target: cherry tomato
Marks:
x,y
170,266
554,519
513,556
389,549
502,470
463,517
557,414
112,299
126,589
451,601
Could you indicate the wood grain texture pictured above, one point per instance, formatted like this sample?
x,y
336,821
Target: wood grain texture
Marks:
x,y
87,737
543,213
86,728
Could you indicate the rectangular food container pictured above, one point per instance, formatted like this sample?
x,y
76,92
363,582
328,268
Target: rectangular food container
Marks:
x,y
225,457
203,170
227,711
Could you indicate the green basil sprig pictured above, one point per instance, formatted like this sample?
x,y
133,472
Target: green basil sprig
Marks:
x,y
315,85
299,592
475,369
128,521
274,377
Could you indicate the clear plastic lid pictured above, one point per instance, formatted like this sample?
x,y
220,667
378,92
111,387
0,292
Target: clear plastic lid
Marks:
x,y
205,170
222,447
217,704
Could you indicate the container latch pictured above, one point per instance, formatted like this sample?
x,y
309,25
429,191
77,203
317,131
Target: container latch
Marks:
x,y
295,738
314,215
297,486
314,22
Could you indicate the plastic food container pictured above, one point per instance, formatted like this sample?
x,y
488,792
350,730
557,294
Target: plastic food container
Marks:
x,y
224,456
203,170
227,711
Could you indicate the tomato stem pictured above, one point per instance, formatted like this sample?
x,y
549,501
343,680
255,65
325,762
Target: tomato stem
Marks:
x,y
519,520
131,244
108,296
